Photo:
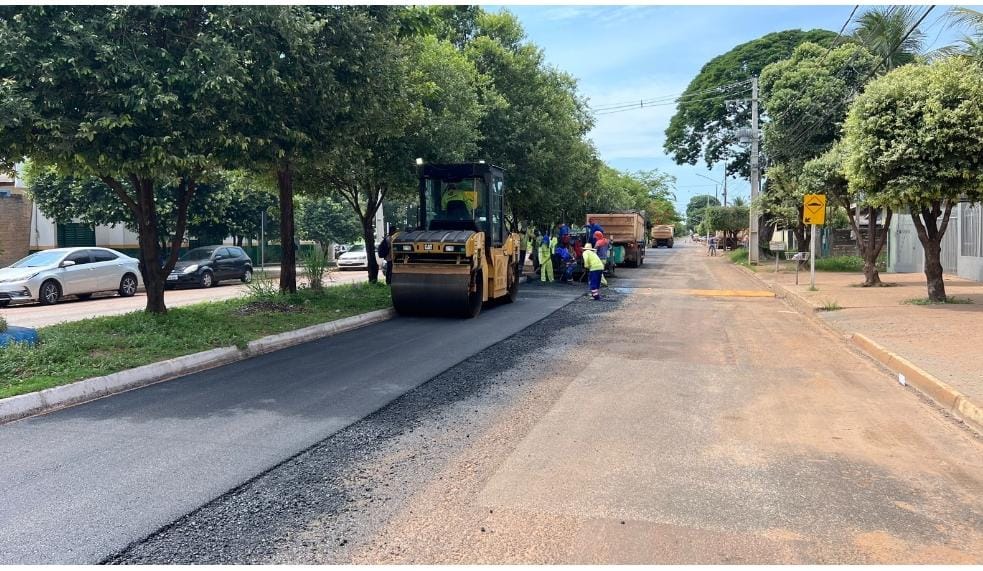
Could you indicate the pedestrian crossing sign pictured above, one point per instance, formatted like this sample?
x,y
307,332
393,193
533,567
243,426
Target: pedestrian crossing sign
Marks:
x,y
814,209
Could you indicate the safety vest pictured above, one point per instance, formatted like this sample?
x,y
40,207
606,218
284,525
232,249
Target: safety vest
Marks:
x,y
591,261
465,196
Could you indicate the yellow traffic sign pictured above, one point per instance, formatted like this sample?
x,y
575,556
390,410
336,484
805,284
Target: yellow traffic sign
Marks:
x,y
814,209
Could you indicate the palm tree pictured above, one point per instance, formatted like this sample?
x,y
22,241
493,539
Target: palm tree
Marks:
x,y
971,44
882,30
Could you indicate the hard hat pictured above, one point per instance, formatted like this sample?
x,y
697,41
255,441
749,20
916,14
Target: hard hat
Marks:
x,y
598,234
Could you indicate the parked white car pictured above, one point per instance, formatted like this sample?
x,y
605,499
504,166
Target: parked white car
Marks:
x,y
353,258
49,275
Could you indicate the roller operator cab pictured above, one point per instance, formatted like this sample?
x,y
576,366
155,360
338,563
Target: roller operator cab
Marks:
x,y
460,256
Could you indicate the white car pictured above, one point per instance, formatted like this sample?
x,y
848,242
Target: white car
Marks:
x,y
49,275
353,258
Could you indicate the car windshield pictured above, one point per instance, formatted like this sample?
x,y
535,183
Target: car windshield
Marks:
x,y
38,260
359,248
197,254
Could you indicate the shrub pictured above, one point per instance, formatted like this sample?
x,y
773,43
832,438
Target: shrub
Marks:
x,y
3,324
315,264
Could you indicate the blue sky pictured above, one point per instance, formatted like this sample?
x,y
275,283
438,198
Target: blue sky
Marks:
x,y
628,53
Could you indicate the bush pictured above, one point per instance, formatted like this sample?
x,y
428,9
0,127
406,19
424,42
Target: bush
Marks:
x,y
739,256
3,324
315,264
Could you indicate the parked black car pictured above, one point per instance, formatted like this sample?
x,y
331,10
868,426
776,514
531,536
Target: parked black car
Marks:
x,y
208,265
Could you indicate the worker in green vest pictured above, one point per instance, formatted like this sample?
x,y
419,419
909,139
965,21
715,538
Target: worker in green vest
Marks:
x,y
546,249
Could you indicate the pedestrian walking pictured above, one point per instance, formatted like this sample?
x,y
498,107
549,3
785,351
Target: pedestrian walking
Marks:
x,y
546,259
383,251
595,271
712,246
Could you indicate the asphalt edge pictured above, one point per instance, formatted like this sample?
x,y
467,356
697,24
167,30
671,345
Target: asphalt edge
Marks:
x,y
924,382
48,400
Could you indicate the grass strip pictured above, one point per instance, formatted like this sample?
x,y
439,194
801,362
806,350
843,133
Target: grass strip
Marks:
x,y
98,346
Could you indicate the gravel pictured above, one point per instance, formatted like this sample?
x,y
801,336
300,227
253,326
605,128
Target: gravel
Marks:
x,y
321,505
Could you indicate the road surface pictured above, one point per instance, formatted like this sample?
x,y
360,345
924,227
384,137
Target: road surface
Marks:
x,y
693,419
82,483
71,309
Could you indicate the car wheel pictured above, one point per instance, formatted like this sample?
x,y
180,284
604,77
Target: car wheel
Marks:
x,y
247,276
84,296
128,286
49,293
207,280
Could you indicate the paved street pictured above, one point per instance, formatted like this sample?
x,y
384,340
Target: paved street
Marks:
x,y
71,309
82,483
691,419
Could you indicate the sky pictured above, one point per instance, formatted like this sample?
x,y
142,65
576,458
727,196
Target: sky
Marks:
x,y
629,53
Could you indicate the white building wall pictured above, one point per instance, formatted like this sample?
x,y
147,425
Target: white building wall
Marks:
x,y
44,232
117,236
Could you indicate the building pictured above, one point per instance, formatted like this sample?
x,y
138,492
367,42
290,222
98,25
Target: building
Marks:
x,y
962,245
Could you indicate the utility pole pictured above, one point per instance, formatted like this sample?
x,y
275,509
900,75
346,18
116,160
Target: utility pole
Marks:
x,y
755,175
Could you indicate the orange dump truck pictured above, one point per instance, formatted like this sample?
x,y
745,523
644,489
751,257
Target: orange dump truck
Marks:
x,y
626,230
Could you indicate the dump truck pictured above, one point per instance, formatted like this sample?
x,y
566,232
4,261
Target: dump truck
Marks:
x,y
662,235
460,256
626,231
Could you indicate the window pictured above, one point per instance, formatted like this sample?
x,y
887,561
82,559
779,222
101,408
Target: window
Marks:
x,y
225,253
498,189
237,252
80,258
969,229
102,256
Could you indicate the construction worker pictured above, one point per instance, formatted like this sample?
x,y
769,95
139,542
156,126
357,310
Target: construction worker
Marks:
x,y
546,250
595,271
524,247
603,246
455,193
593,227
567,263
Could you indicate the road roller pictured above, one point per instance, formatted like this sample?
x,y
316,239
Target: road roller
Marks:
x,y
460,256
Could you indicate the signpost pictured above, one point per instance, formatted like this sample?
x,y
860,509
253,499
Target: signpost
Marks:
x,y
814,213
777,247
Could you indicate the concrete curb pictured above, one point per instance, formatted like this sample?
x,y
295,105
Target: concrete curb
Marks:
x,y
30,404
947,397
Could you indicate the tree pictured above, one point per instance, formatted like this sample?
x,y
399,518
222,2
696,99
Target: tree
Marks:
x,y
704,126
826,175
424,104
121,93
883,30
696,209
728,219
805,97
305,65
971,42
326,220
914,140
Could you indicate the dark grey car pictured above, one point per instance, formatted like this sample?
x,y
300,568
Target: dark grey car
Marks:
x,y
208,265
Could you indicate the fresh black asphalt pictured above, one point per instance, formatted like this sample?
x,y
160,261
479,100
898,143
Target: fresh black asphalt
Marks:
x,y
80,484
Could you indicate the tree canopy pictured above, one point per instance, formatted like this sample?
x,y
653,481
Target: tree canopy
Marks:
x,y
703,126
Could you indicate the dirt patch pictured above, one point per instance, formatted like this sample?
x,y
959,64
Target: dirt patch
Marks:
x,y
266,306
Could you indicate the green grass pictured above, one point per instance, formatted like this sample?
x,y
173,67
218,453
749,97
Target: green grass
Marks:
x,y
950,300
845,264
72,351
739,257
831,305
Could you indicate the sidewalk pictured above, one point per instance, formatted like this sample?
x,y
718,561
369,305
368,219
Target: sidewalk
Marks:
x,y
942,340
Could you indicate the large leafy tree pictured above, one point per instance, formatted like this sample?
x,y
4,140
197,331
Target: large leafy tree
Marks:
x,y
306,65
704,126
728,219
825,175
915,139
424,105
325,220
122,93
696,209
806,96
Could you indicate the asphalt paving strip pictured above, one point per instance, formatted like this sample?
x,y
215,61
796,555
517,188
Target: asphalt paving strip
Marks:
x,y
321,504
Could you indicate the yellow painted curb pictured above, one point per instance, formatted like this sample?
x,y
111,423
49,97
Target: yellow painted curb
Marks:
x,y
953,400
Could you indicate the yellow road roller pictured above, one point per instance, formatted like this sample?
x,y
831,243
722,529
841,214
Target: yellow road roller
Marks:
x,y
460,256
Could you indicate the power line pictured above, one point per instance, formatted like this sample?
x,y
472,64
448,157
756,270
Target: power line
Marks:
x,y
644,105
798,142
667,98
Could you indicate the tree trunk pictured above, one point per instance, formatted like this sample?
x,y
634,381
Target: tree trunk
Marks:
x,y
930,234
150,252
288,254
368,234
